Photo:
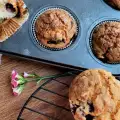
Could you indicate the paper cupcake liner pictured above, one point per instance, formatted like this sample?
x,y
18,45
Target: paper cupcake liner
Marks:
x,y
38,43
105,61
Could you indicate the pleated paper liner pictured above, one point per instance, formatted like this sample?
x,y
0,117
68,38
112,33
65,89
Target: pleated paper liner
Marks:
x,y
38,43
105,60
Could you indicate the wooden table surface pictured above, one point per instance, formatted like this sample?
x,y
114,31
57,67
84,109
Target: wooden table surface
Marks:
x,y
10,106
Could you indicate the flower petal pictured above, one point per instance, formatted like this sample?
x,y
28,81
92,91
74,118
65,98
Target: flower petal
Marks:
x,y
14,83
15,94
18,90
14,74
26,74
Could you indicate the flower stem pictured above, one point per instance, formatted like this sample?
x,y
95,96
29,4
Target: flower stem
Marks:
x,y
38,78
56,76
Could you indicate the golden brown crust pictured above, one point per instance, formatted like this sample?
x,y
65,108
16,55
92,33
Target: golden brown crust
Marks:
x,y
106,41
21,20
22,8
95,93
55,26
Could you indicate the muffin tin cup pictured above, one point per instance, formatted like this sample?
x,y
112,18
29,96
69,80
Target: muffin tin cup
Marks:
x,y
91,46
73,16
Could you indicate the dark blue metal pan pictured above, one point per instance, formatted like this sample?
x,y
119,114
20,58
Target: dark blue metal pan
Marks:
x,y
78,55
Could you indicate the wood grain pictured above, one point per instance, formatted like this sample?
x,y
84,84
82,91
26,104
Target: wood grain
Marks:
x,y
10,106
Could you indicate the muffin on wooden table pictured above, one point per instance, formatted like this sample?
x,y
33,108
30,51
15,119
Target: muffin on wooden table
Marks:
x,y
94,95
55,28
106,42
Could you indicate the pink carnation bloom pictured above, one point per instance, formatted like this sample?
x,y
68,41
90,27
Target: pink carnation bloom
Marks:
x,y
17,79
14,74
14,83
18,90
28,75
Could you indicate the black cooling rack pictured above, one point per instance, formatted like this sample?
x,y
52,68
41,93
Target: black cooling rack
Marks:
x,y
56,101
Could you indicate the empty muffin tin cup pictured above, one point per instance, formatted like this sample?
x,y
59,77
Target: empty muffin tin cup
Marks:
x,y
105,60
73,16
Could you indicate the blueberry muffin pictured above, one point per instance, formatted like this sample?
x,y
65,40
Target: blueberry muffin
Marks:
x,y
13,13
114,3
94,95
106,42
55,28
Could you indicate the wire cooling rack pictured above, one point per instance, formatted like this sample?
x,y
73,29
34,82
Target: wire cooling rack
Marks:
x,y
50,100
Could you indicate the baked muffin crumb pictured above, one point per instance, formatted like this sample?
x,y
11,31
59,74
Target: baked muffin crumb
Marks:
x,y
106,42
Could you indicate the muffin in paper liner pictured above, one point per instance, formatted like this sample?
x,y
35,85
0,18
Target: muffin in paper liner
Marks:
x,y
54,31
104,41
15,15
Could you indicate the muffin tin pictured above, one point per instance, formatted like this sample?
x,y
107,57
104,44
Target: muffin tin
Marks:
x,y
78,55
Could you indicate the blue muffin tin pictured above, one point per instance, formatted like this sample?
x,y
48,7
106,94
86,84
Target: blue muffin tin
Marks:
x,y
78,55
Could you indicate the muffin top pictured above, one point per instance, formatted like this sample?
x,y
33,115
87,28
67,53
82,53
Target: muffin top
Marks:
x,y
94,95
114,3
106,41
55,28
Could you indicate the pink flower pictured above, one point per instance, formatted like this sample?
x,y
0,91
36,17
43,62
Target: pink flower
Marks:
x,y
18,90
28,75
14,83
17,79
14,74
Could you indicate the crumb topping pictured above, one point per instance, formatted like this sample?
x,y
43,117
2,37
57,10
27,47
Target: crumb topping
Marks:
x,y
106,42
55,28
